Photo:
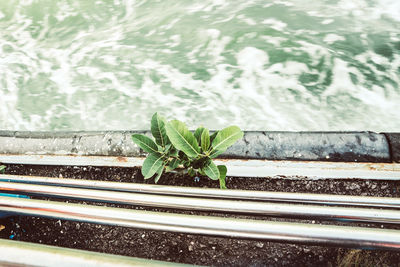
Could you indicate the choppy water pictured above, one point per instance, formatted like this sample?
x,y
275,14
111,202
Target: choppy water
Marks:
x,y
263,65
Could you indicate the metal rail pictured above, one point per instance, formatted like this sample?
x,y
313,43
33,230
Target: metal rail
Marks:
x,y
234,228
215,205
236,167
17,253
301,198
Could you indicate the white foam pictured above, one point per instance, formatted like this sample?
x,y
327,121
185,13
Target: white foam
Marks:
x,y
327,21
331,38
275,24
196,61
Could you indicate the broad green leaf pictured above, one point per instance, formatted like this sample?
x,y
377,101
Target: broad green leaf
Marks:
x,y
212,137
158,130
159,173
2,168
152,164
211,170
167,147
182,138
222,171
198,133
205,140
216,153
145,143
226,137
222,175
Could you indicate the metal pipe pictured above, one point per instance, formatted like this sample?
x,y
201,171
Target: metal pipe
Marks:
x,y
215,205
305,198
17,253
236,167
342,236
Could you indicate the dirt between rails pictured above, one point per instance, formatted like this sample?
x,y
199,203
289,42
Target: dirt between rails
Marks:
x,y
196,249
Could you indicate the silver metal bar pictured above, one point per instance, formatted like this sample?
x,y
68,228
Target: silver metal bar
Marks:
x,y
304,198
342,236
216,205
17,253
236,167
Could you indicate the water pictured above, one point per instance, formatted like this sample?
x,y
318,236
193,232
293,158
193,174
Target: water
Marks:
x,y
262,65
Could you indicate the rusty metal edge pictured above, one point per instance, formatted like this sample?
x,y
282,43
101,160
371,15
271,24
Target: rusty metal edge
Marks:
x,y
236,167
295,146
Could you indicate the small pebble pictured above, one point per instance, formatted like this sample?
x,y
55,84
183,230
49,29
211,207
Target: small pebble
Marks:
x,y
259,245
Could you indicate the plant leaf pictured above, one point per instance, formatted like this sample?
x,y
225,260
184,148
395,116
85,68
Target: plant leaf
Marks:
x,y
159,173
205,140
222,175
198,133
226,137
212,137
211,170
167,148
145,143
216,153
2,168
182,138
152,164
158,130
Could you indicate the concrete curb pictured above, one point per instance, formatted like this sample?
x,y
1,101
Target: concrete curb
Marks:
x,y
314,146
394,142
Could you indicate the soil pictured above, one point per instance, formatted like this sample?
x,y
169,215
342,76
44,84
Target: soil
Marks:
x,y
195,249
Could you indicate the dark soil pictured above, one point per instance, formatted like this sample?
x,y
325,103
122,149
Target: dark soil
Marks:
x,y
194,249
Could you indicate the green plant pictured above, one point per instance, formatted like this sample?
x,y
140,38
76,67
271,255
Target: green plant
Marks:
x,y
177,149
2,168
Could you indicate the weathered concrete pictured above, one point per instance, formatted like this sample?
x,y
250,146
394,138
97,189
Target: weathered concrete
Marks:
x,y
394,140
324,146
321,146
66,143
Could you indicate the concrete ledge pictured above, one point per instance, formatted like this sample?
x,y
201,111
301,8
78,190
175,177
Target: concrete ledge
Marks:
x,y
394,141
315,146
321,146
